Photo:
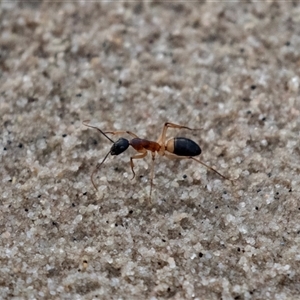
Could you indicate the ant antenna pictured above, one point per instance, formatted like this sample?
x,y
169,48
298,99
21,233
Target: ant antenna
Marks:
x,y
97,168
98,165
88,125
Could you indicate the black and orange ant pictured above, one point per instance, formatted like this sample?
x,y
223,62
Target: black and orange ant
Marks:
x,y
179,147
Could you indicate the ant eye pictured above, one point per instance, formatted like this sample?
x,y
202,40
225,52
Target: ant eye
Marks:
x,y
119,146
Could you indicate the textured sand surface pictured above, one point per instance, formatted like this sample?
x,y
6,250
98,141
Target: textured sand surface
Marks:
x,y
231,69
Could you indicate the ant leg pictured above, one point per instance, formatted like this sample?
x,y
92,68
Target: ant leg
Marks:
x,y
208,167
122,132
162,138
174,156
138,156
152,174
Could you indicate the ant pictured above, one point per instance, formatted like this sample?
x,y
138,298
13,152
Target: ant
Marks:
x,y
179,147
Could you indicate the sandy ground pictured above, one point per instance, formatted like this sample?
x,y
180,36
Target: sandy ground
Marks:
x,y
229,69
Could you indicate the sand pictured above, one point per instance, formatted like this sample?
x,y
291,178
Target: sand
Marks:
x,y
230,70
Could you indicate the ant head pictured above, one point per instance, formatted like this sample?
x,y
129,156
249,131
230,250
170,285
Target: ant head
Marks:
x,y
119,146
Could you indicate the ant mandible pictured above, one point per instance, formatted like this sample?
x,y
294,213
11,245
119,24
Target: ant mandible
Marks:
x,y
179,147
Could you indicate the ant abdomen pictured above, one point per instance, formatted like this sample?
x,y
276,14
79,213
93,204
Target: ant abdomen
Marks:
x,y
183,147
